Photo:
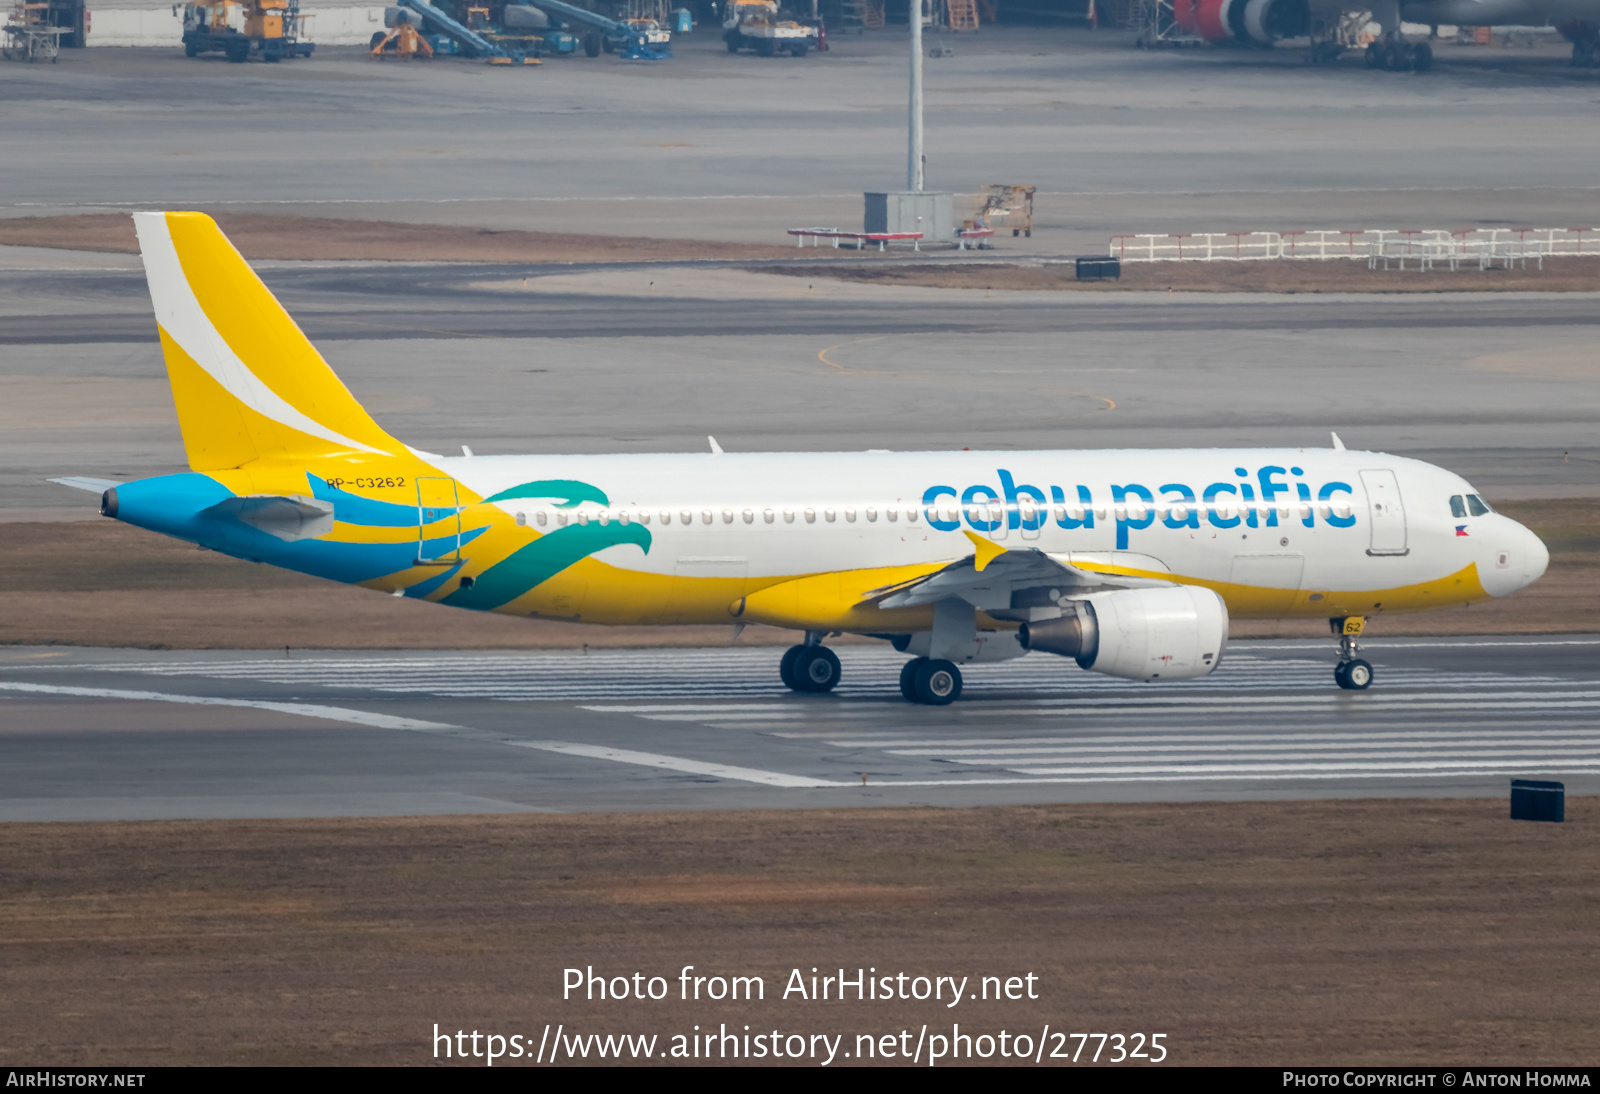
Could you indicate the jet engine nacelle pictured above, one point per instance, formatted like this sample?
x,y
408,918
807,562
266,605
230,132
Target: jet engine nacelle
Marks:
x,y
1259,22
1139,634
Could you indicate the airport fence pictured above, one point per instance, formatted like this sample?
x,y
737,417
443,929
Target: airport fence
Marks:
x,y
1423,247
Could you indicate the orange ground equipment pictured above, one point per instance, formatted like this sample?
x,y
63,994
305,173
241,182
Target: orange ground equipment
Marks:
x,y
401,40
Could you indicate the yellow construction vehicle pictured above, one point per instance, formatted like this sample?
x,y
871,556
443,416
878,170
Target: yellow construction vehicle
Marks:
x,y
1007,206
273,28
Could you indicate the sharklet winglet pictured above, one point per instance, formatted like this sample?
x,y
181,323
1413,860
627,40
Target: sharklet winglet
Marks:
x,y
988,550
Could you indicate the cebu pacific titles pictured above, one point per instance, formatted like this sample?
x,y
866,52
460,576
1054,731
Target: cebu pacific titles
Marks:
x,y
1130,562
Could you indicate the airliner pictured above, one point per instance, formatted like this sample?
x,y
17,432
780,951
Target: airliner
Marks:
x,y
1334,25
1129,562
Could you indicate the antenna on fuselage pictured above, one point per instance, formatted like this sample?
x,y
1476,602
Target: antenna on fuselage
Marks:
x,y
716,449
1338,445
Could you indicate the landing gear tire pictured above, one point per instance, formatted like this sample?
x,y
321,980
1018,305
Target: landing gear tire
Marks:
x,y
1353,675
591,45
786,667
937,683
816,669
908,678
1421,58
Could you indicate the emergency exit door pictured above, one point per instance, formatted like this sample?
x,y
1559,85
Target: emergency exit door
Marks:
x,y
1387,513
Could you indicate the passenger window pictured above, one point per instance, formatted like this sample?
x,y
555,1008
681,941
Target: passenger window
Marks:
x,y
1458,508
1477,506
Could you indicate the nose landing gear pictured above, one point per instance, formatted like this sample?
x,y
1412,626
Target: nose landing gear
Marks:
x,y
1351,673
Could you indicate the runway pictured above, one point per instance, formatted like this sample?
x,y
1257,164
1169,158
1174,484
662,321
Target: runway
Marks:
x,y
343,301
1495,386
338,734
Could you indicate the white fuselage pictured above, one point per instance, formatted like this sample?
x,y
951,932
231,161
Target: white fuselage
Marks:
x,y
1317,521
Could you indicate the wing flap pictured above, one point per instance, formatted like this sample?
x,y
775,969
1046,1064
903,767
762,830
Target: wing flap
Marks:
x,y
989,583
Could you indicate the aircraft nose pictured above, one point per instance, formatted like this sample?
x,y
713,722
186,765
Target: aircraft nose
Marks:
x,y
1535,556
1520,559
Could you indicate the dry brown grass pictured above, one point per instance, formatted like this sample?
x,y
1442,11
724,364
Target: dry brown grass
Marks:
x,y
1348,932
259,236
100,583
1558,275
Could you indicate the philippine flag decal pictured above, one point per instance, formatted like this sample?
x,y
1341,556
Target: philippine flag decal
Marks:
x,y
1461,529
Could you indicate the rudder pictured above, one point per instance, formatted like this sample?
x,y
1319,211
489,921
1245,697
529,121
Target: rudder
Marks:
x,y
246,381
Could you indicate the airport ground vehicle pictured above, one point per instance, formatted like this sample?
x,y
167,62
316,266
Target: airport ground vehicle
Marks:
x,y
633,40
273,29
1129,562
649,31
759,25
1335,27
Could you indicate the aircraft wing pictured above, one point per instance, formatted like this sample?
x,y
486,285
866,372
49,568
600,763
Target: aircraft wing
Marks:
x,y
993,574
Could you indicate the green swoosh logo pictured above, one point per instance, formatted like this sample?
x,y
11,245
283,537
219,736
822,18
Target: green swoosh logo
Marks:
x,y
571,492
541,560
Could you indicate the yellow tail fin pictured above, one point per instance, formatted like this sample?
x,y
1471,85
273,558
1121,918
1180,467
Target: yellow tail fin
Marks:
x,y
247,383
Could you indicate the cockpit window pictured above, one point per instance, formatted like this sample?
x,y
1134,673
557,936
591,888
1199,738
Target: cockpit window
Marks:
x,y
1458,508
1477,506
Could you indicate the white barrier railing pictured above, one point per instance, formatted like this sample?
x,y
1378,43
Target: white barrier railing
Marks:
x,y
1487,246
1196,247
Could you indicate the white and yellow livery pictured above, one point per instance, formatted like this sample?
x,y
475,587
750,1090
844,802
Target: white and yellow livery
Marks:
x,y
1129,561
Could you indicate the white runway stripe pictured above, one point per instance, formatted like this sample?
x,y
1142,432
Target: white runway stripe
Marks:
x,y
387,721
676,763
304,710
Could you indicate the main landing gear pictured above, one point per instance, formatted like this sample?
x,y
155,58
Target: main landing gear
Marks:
x,y
810,667
1351,673
813,667
932,681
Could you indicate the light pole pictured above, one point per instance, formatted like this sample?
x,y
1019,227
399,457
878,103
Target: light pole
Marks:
x,y
914,152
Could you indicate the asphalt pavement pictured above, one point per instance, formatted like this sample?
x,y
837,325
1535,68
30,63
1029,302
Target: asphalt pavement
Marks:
x,y
120,734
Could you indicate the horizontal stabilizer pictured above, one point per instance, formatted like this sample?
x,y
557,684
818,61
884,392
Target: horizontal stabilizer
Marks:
x,y
79,482
286,517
